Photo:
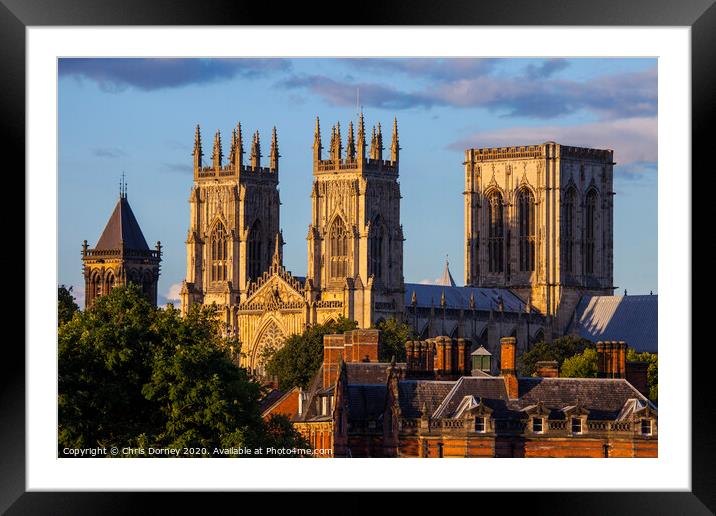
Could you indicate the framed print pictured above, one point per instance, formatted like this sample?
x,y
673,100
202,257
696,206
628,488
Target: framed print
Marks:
x,y
249,227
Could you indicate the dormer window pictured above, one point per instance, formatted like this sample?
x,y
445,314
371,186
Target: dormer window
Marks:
x,y
646,427
538,425
576,425
480,424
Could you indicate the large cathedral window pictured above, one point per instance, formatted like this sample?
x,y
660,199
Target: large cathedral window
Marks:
x,y
495,232
218,259
375,262
590,216
568,216
526,219
254,268
338,250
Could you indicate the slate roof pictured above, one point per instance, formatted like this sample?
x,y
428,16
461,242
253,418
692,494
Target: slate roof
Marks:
x,y
369,373
271,398
633,319
605,398
490,389
122,226
366,402
415,394
459,297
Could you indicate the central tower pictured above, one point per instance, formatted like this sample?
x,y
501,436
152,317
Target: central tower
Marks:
x,y
355,239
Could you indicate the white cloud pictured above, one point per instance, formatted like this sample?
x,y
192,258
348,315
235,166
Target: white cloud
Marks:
x,y
173,295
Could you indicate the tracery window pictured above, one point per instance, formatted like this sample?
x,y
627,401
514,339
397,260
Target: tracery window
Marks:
x,y
526,222
375,263
495,234
254,266
568,216
590,217
338,243
218,258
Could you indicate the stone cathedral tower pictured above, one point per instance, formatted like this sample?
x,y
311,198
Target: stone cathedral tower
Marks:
x,y
539,220
355,239
234,220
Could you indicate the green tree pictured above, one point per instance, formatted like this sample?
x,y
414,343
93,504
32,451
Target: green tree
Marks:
x,y
559,349
300,357
66,306
582,365
133,375
393,335
652,373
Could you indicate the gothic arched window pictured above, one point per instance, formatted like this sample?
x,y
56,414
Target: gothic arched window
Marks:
x,y
108,283
218,259
526,218
375,262
568,216
338,242
590,219
254,265
495,232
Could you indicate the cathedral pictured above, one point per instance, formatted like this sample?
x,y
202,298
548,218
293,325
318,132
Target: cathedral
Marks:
x,y
538,237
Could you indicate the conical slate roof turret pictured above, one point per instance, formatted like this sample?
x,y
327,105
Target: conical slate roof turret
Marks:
x,y
122,227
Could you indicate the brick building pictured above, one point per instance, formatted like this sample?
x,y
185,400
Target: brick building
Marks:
x,y
438,404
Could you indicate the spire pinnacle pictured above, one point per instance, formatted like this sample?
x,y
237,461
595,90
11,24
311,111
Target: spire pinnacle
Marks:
x,y
256,151
197,148
278,243
361,137
274,150
350,146
217,156
395,146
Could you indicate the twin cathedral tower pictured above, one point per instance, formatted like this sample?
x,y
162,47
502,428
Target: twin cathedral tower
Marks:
x,y
538,235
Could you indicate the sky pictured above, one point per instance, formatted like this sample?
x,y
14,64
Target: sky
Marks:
x,y
137,117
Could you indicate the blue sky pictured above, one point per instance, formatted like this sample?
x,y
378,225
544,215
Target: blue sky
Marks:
x,y
138,116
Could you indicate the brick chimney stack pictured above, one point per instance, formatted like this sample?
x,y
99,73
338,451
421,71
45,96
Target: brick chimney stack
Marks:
x,y
351,346
611,359
507,367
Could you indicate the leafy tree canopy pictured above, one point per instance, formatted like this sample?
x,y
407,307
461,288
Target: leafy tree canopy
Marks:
x,y
582,365
652,373
300,357
66,306
133,375
559,349
393,335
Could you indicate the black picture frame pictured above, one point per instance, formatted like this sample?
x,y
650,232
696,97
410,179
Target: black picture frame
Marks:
x,y
17,15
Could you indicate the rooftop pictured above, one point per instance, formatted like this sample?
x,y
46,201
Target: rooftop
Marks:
x,y
633,319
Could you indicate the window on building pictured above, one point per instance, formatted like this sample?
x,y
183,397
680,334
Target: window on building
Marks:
x,y
440,450
254,267
480,424
338,243
590,216
537,425
218,253
568,216
646,427
495,232
576,425
526,222
376,238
